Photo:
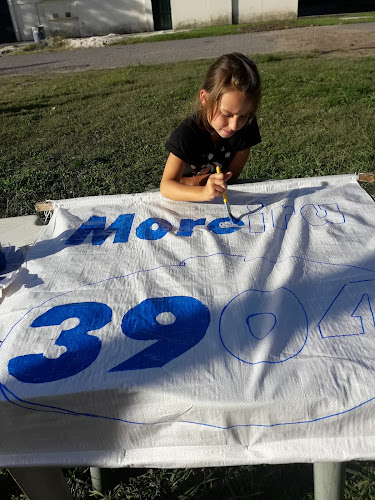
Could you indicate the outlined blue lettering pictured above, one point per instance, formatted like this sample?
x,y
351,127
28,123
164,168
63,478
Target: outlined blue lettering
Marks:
x,y
318,215
351,312
265,333
156,228
261,324
256,223
256,219
281,216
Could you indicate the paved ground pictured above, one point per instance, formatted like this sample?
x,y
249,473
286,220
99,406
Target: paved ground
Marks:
x,y
346,39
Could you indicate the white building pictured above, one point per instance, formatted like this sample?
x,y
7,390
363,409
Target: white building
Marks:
x,y
80,18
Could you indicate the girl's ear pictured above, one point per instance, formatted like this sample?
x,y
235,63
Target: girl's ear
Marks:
x,y
203,97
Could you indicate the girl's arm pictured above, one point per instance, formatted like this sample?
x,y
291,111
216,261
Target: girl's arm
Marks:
x,y
178,188
237,164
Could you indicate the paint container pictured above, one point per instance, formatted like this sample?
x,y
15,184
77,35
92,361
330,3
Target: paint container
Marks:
x,y
38,33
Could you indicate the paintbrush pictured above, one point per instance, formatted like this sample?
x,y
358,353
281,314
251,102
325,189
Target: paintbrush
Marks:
x,y
232,218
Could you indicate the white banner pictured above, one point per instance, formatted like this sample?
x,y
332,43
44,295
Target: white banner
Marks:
x,y
146,332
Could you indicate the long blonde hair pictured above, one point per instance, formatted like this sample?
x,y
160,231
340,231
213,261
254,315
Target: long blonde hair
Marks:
x,y
230,72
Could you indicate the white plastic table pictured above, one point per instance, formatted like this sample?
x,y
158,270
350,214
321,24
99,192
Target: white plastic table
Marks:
x,y
44,483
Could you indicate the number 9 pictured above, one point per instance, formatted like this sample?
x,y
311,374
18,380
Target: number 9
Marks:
x,y
140,323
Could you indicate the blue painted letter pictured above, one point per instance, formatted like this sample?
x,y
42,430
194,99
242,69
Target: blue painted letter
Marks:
x,y
187,226
96,225
147,231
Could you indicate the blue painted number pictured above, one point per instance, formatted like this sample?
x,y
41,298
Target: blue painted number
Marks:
x,y
82,349
176,323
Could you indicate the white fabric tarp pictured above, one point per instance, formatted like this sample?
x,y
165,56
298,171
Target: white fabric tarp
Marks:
x,y
146,332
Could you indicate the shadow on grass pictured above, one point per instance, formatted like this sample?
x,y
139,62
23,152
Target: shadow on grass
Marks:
x,y
265,482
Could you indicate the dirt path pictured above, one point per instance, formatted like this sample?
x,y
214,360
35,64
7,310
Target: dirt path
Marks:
x,y
346,39
341,40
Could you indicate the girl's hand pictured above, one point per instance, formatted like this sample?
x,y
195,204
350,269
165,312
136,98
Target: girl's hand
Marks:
x,y
216,186
199,188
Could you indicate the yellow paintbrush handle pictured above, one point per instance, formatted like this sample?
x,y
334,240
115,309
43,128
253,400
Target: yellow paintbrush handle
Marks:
x,y
218,171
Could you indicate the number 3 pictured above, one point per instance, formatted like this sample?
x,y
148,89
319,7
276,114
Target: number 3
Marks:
x,y
82,349
190,320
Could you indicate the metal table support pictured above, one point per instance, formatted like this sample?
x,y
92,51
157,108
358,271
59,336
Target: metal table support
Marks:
x,y
101,479
329,480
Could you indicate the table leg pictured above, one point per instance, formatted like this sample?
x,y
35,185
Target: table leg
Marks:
x,y
41,483
329,480
101,479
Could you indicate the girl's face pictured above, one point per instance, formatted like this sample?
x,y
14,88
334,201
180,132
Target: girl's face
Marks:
x,y
231,113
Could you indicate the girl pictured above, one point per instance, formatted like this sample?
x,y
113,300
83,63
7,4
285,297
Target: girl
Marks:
x,y
222,130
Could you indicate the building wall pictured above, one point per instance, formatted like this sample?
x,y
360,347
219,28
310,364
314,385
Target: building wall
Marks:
x,y
76,18
100,17
59,18
266,10
197,13
24,16
80,18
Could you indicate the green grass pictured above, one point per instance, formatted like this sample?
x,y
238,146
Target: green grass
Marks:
x,y
50,44
284,482
102,132
237,29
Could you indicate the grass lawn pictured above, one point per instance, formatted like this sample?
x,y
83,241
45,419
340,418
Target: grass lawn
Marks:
x,y
102,132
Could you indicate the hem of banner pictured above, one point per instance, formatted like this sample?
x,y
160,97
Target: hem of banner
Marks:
x,y
312,451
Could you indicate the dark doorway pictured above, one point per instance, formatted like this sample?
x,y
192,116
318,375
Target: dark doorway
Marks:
x,y
235,12
161,10
6,26
326,7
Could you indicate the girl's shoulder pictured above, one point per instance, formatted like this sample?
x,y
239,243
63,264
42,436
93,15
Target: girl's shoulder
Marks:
x,y
247,136
190,129
188,140
191,124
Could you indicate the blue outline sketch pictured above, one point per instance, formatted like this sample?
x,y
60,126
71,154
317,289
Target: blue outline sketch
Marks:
x,y
256,315
264,361
256,213
353,315
325,213
358,315
287,216
52,409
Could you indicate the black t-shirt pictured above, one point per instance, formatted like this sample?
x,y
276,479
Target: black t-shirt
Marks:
x,y
193,144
